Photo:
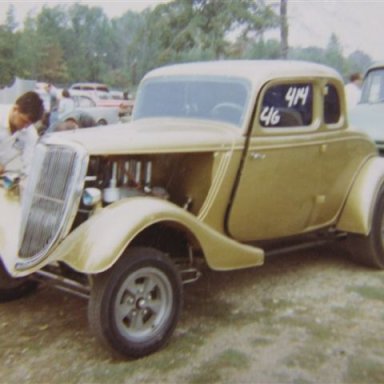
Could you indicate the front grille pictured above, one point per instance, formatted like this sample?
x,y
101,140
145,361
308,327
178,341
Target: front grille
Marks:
x,y
50,199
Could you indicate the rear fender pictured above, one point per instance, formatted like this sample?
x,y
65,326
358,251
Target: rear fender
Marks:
x,y
356,216
96,244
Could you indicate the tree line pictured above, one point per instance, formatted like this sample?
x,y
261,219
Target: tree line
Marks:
x,y
71,43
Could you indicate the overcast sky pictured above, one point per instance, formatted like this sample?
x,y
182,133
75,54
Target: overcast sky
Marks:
x,y
359,24
112,8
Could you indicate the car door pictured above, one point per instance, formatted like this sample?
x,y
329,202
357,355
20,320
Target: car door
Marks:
x,y
277,192
343,151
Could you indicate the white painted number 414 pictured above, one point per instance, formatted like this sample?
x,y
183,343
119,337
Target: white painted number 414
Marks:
x,y
297,95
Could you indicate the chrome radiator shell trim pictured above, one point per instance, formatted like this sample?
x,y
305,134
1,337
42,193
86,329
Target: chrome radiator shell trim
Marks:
x,y
50,200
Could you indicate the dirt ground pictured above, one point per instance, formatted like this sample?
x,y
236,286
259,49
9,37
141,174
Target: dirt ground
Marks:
x,y
307,317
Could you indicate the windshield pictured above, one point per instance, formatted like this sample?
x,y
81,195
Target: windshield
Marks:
x,y
219,99
373,87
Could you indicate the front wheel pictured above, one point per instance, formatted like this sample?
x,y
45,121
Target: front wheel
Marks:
x,y
134,307
369,250
14,288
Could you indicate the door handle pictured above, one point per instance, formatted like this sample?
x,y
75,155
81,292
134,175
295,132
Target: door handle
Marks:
x,y
257,156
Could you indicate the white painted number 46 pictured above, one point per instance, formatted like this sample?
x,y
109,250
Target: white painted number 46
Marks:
x,y
270,116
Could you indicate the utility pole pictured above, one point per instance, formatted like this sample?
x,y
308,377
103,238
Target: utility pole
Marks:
x,y
284,28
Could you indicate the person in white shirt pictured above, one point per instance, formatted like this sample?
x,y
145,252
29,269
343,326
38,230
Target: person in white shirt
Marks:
x,y
18,136
66,104
353,90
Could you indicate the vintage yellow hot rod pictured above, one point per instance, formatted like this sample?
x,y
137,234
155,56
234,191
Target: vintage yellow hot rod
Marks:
x,y
223,164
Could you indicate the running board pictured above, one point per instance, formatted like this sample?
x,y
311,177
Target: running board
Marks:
x,y
306,245
63,283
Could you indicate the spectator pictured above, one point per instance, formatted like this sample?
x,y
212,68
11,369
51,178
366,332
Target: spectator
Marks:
x,y
66,104
353,90
53,103
18,136
74,120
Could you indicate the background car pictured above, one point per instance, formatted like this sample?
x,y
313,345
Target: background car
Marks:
x,y
86,114
76,119
103,99
368,115
94,88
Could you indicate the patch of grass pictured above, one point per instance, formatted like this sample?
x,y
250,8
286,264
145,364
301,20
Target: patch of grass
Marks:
x,y
369,292
111,372
346,312
364,370
270,311
215,370
309,358
374,345
178,351
219,313
300,380
260,341
319,331
153,367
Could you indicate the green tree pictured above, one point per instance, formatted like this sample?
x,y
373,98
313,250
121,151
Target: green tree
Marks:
x,y
334,54
10,19
89,28
270,49
8,48
314,54
68,43
28,50
51,63
284,28
358,61
184,30
7,53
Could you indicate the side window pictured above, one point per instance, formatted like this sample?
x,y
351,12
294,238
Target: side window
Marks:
x,y
331,105
373,87
287,105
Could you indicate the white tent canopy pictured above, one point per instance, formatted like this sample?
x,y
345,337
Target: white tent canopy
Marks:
x,y
8,95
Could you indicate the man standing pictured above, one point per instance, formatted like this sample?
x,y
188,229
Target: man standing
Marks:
x,y
353,89
18,136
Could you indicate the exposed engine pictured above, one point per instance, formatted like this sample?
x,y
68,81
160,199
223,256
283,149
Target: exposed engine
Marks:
x,y
118,178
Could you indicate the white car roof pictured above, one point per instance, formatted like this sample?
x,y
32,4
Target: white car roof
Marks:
x,y
253,70
89,86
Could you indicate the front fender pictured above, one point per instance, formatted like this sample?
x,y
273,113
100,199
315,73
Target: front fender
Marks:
x,y
96,244
356,217
10,214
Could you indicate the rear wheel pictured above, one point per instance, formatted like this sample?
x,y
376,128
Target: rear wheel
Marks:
x,y
102,122
369,250
134,307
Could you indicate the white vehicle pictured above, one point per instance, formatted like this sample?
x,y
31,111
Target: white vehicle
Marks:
x,y
95,88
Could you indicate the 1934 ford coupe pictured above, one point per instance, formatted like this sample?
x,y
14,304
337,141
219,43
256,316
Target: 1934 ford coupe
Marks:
x,y
223,164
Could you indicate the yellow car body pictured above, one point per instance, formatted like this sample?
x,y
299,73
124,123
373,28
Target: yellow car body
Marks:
x,y
223,163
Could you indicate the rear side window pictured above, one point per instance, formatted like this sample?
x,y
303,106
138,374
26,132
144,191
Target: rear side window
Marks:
x,y
331,105
287,105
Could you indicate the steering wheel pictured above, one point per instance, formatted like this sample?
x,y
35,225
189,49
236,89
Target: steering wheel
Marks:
x,y
230,112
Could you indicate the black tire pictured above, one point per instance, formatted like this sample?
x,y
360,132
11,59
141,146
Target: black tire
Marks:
x,y
102,122
369,250
134,306
14,288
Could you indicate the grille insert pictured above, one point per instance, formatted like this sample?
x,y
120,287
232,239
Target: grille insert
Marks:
x,y
51,197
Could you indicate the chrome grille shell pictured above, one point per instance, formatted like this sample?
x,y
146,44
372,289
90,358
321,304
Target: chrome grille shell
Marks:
x,y
50,199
